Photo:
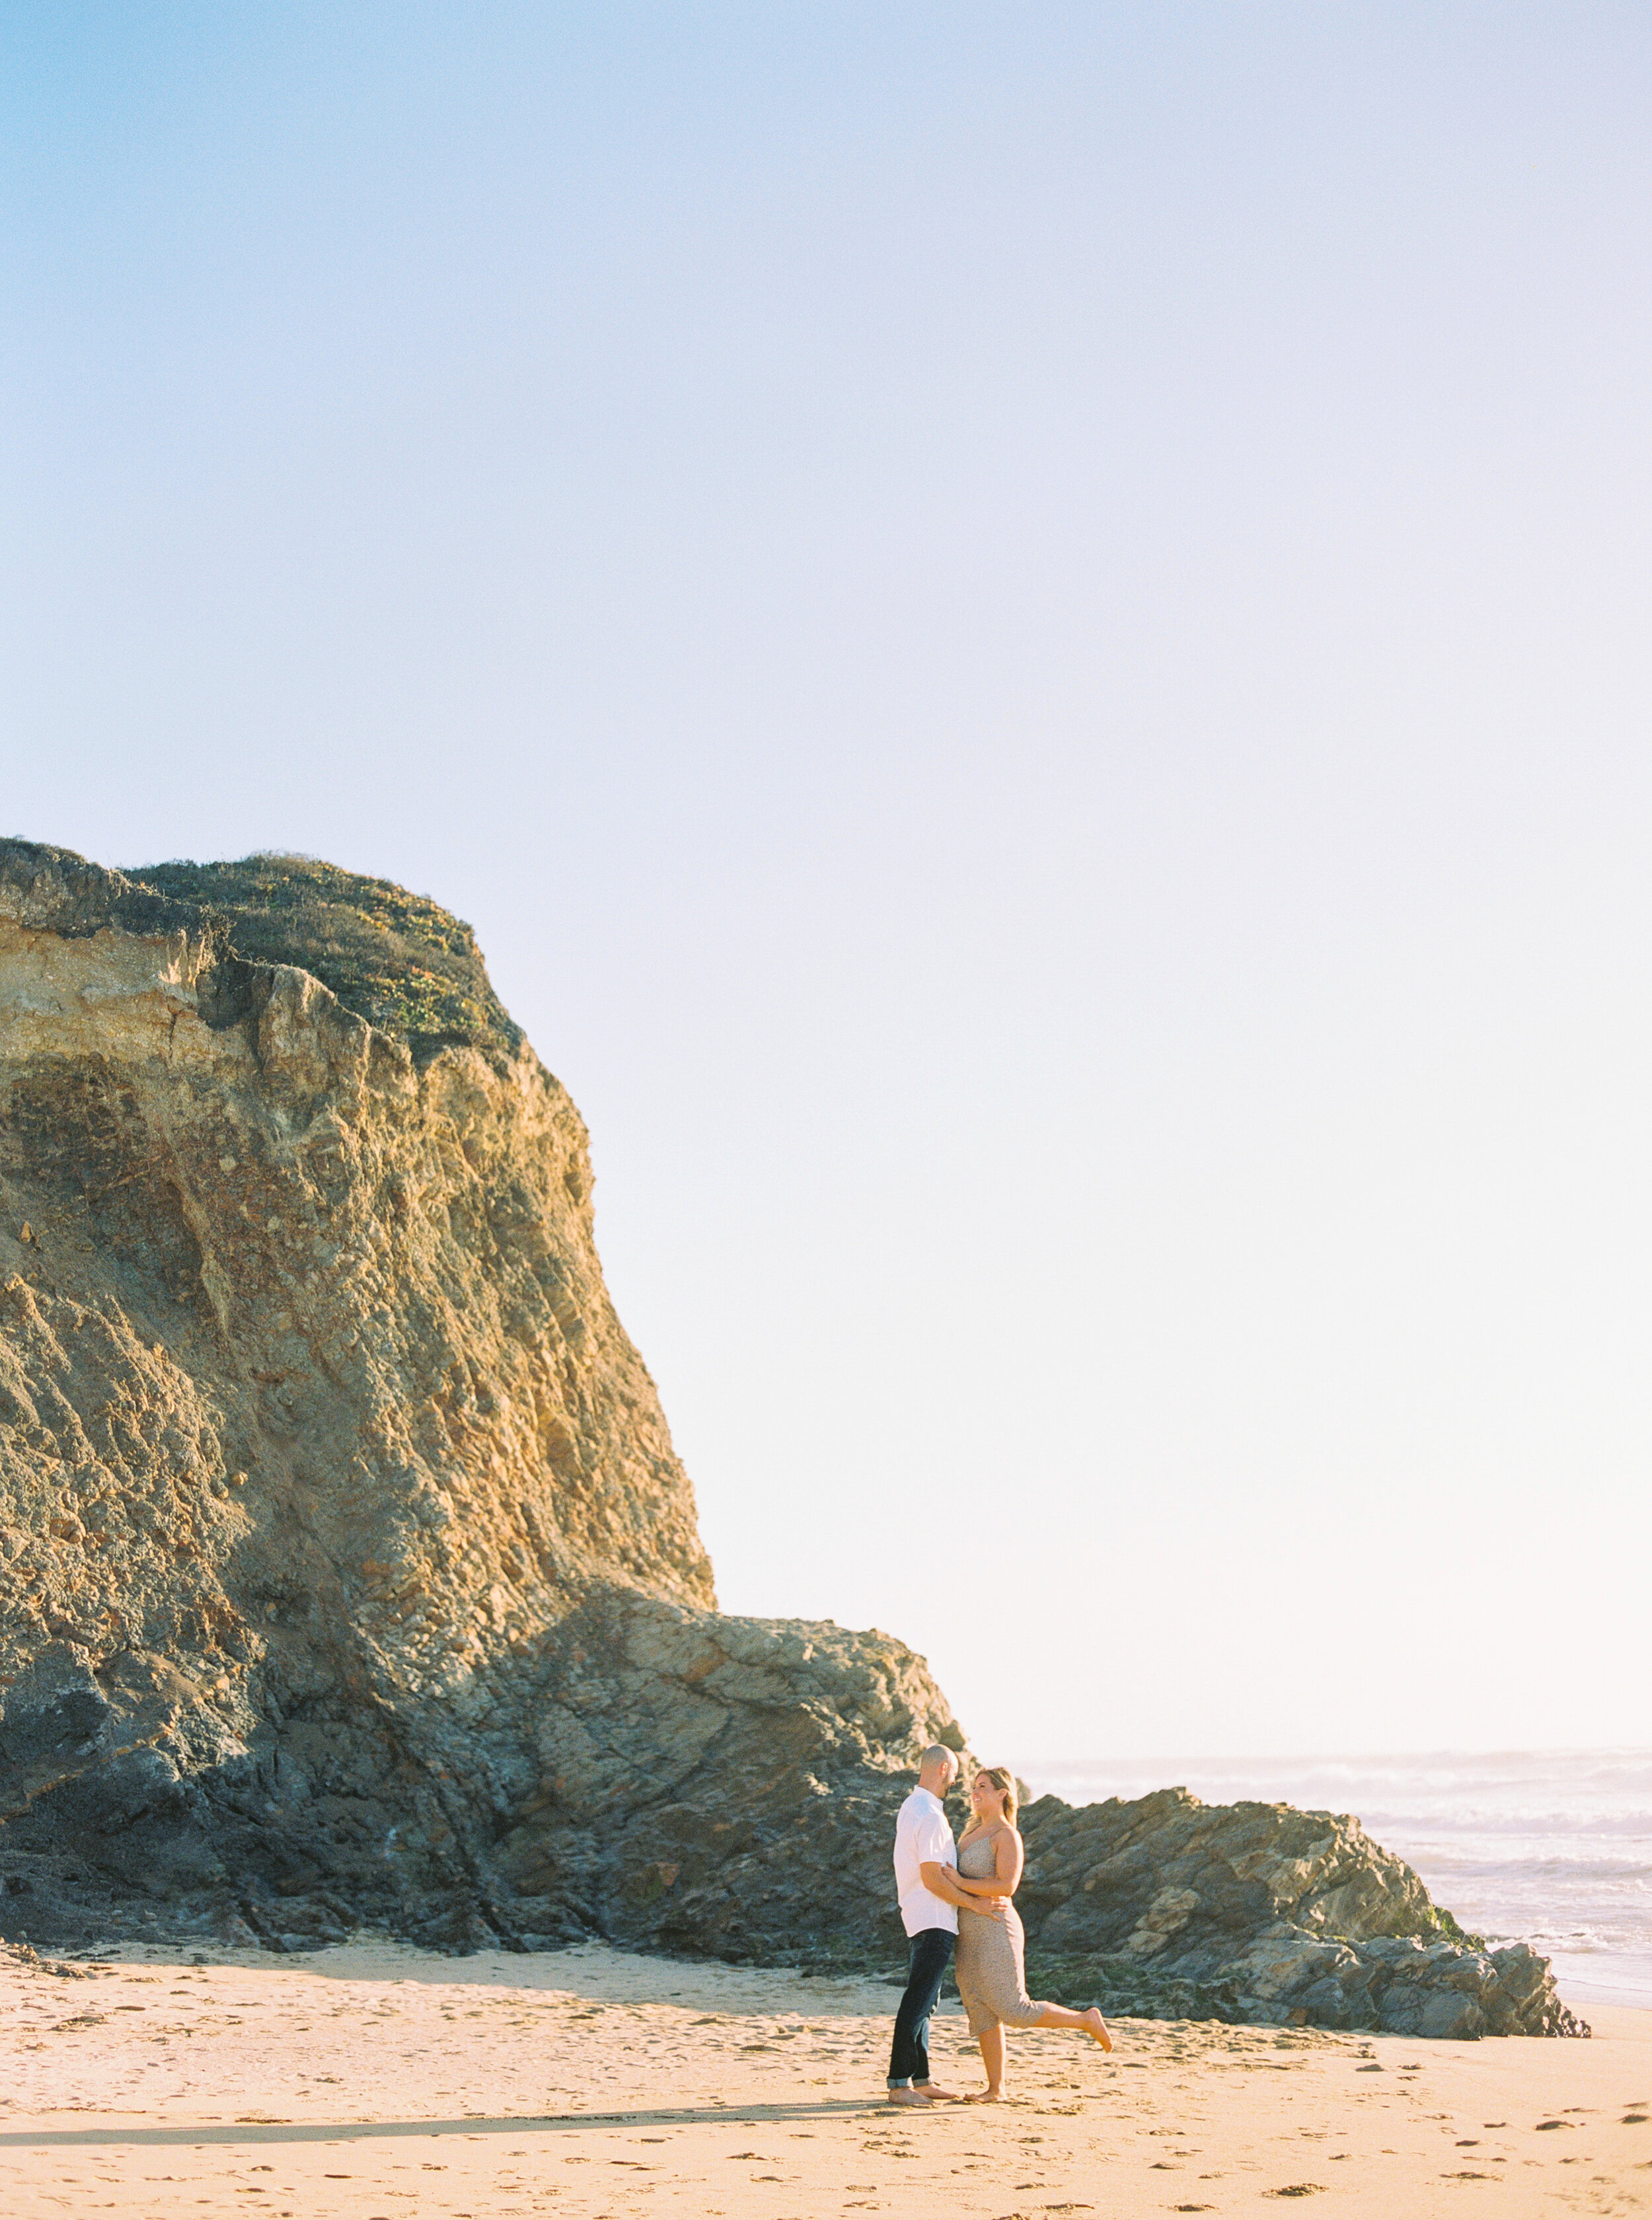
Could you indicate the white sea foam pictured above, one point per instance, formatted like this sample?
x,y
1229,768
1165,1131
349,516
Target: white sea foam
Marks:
x,y
1549,1847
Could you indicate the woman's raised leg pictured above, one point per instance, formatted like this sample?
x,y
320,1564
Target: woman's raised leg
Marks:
x,y
1091,2022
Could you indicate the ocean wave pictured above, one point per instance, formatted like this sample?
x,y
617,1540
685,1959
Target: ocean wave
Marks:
x,y
1566,1872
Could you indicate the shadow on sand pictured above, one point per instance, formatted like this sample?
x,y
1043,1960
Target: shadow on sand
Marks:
x,y
253,2132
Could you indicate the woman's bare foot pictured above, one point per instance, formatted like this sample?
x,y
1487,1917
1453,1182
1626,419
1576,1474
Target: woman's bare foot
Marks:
x,y
1096,2027
985,2096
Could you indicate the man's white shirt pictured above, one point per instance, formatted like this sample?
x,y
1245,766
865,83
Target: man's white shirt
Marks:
x,y
922,1837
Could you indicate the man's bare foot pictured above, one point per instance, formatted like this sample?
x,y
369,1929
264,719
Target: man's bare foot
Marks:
x,y
908,2096
985,2096
936,2094
1096,2027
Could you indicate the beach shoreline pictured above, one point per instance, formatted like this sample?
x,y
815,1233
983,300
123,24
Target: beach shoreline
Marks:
x,y
373,2078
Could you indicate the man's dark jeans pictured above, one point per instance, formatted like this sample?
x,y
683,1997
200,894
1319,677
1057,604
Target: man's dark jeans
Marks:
x,y
931,1952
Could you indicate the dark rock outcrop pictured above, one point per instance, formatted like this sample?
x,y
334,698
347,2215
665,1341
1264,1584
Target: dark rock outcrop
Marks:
x,y
1257,1911
347,1573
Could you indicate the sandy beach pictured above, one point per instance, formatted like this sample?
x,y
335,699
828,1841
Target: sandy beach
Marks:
x,y
370,2081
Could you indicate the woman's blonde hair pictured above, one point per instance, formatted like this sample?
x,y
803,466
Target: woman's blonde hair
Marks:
x,y
1001,1777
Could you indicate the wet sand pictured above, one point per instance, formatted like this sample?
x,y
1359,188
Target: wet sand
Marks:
x,y
377,2080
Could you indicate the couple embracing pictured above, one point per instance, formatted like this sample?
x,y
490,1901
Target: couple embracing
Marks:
x,y
961,1895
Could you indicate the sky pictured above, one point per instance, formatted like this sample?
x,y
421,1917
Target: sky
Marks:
x,y
1025,632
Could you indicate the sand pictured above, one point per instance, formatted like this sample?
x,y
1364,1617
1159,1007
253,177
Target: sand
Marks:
x,y
377,2080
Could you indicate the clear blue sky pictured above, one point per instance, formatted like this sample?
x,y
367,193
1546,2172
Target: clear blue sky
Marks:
x,y
1024,632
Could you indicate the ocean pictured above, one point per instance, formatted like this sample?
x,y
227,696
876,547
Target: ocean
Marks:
x,y
1552,1848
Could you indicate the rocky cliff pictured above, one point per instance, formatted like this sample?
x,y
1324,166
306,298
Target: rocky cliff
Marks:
x,y
347,1573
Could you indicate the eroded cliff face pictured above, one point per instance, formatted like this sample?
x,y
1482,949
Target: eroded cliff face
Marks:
x,y
347,1574
348,1566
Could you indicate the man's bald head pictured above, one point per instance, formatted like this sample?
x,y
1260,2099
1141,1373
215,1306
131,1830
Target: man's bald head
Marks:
x,y
938,1768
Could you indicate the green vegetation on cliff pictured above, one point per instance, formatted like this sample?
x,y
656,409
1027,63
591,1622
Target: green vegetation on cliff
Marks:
x,y
395,958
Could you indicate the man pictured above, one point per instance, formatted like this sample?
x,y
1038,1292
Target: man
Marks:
x,y
925,1860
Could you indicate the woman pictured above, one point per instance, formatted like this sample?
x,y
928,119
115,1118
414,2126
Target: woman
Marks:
x,y
990,1973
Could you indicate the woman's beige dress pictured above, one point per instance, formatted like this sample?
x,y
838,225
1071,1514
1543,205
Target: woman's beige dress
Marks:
x,y
990,1965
